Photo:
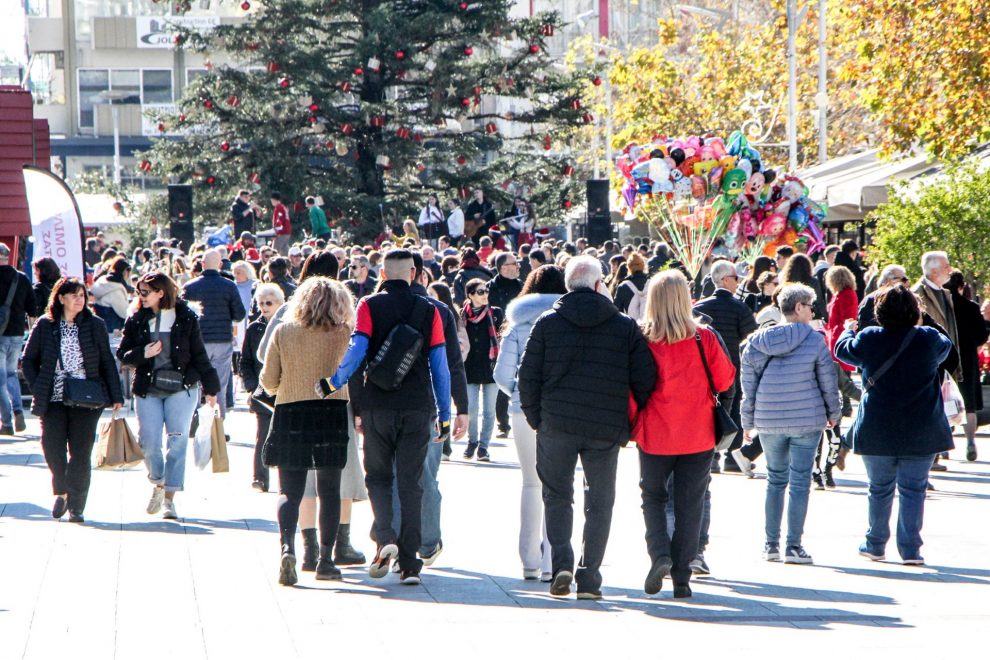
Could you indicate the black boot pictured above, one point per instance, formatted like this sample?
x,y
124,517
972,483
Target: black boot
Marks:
x,y
829,481
326,570
343,553
311,549
287,566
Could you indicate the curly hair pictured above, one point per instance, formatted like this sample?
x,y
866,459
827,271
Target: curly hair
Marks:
x,y
321,302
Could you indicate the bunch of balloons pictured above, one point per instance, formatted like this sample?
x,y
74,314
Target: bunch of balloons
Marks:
x,y
724,187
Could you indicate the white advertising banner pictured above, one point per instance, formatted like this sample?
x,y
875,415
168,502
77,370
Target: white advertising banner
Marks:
x,y
55,222
159,31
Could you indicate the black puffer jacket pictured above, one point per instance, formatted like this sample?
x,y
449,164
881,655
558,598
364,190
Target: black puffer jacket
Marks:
x,y
731,318
188,352
581,362
624,295
502,291
42,351
249,367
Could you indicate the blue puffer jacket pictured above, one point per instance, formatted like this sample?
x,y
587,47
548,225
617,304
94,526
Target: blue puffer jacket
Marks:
x,y
522,314
788,380
221,302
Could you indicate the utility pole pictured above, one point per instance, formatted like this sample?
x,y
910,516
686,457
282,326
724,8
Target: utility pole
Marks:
x,y
822,97
791,86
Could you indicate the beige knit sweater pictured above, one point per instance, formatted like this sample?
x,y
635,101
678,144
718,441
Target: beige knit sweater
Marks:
x,y
298,357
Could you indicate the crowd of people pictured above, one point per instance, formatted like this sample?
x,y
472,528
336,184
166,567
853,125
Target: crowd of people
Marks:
x,y
362,363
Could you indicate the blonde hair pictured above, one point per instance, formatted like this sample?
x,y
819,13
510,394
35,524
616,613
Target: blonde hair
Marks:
x,y
839,278
636,263
320,302
668,315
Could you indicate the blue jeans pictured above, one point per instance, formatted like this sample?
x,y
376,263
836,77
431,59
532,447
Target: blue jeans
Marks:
x,y
910,476
430,516
790,459
10,392
483,396
175,412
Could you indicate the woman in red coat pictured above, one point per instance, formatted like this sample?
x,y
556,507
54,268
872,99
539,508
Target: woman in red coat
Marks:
x,y
675,431
844,305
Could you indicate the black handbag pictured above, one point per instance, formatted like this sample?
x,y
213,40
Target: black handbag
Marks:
x,y
86,393
725,429
166,379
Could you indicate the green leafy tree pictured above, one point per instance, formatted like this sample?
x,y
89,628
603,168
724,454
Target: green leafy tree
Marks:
x,y
373,104
950,214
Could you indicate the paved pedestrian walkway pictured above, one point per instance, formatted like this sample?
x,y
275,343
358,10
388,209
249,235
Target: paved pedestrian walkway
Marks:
x,y
128,585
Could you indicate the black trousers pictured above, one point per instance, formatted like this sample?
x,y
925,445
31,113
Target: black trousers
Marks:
x,y
691,476
292,485
399,439
556,458
732,401
73,431
261,471
502,411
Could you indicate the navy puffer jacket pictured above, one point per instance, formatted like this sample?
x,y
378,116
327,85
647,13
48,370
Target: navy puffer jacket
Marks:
x,y
221,303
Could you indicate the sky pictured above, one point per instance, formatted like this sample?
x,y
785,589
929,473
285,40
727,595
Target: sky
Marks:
x,y
12,30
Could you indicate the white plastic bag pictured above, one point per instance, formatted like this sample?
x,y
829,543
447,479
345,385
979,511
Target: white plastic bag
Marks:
x,y
202,443
952,402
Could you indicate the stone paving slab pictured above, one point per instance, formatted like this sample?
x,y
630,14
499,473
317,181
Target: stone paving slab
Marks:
x,y
128,585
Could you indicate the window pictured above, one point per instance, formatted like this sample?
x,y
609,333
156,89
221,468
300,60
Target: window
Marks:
x,y
156,86
193,75
126,80
91,83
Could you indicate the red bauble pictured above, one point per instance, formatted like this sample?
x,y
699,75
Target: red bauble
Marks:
x,y
566,204
314,108
347,129
284,83
208,104
161,127
182,118
245,5
461,160
210,180
596,81
462,6
468,51
400,54
534,48
233,101
477,90
359,71
312,119
491,128
547,143
420,166
225,146
273,67
465,101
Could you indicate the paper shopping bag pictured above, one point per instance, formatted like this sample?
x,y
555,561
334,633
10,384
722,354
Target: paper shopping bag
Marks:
x,y
218,445
118,447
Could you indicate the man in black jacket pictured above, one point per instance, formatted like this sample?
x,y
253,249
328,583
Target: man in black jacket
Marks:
x,y
581,362
847,256
15,285
734,321
502,289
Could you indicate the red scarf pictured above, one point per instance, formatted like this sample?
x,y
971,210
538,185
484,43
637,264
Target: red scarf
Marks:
x,y
485,313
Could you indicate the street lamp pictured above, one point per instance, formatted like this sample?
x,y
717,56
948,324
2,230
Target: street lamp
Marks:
x,y
111,95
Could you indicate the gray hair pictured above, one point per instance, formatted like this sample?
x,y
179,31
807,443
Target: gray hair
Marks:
x,y
359,260
890,274
790,295
721,269
269,290
582,273
931,260
246,267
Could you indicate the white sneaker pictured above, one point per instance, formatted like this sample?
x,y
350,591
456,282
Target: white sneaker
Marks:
x,y
744,463
169,512
531,574
155,503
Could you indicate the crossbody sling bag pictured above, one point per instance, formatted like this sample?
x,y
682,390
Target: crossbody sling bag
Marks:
x,y
400,350
87,393
166,379
5,309
725,428
872,380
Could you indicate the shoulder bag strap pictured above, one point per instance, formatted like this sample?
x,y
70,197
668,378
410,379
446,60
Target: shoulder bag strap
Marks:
x,y
872,380
158,326
708,371
12,290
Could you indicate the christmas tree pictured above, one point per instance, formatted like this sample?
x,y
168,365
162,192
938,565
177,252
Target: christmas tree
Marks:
x,y
372,105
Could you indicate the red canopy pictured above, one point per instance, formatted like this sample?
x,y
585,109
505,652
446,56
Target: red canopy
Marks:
x,y
23,141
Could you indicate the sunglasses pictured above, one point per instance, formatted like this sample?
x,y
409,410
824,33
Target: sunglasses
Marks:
x,y
480,292
266,303
144,293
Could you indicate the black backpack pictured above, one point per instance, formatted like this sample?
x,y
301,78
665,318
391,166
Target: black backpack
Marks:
x,y
402,347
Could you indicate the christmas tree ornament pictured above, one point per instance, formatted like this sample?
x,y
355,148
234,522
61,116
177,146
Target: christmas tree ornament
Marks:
x,y
575,104
477,90
273,67
254,178
233,100
421,167
465,101
225,146
566,204
596,81
251,45
547,144
588,118
417,136
284,83
402,132
468,51
491,128
208,104
145,166
534,49
548,30
568,170
377,121
462,5
210,180
463,192
400,55
179,39
161,127
341,149
347,128
245,5
374,64
345,86
182,118
314,108
312,119
358,71
461,160
430,65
